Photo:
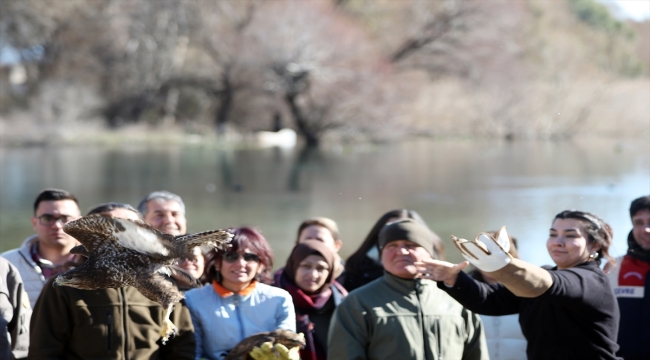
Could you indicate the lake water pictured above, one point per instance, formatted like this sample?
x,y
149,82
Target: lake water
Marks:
x,y
459,187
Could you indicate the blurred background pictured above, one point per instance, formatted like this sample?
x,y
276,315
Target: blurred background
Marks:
x,y
474,113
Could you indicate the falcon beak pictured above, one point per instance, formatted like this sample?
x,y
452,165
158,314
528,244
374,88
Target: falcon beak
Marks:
x,y
61,281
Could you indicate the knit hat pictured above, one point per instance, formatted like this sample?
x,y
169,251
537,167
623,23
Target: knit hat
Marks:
x,y
410,230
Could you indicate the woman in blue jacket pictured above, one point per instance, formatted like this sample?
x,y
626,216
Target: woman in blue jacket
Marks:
x,y
237,303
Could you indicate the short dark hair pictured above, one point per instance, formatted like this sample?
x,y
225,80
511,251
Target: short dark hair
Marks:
x,y
642,203
164,195
110,206
54,195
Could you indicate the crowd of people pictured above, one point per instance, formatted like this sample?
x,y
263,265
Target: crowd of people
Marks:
x,y
396,297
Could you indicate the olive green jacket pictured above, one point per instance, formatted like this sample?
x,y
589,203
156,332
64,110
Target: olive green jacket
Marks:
x,y
389,319
121,323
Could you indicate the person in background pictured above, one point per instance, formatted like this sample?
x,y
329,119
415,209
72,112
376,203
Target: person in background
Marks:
x,y
631,284
15,313
326,231
47,253
165,211
400,315
70,323
566,312
364,265
308,277
195,265
502,333
238,303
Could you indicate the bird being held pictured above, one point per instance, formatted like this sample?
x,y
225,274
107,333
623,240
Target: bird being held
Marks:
x,y
124,252
277,344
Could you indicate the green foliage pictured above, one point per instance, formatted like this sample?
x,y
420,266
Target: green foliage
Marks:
x,y
598,17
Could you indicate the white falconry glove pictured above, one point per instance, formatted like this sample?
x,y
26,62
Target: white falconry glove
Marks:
x,y
486,252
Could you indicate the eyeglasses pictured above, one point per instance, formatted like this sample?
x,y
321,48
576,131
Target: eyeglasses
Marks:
x,y
233,256
49,219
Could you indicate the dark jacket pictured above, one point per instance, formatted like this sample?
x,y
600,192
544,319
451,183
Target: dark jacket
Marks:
x,y
631,284
121,323
577,318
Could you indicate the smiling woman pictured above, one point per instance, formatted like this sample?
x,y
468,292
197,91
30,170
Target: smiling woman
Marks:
x,y
238,303
309,278
565,312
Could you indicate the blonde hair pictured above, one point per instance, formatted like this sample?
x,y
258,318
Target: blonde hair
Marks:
x,y
327,223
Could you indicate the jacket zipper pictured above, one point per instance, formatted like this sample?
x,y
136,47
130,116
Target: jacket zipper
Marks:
x,y
125,333
425,340
241,323
109,323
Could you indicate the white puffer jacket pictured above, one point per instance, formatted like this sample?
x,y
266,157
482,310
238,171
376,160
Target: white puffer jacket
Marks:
x,y
504,338
30,272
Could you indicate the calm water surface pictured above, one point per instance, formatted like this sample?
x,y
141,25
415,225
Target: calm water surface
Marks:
x,y
459,188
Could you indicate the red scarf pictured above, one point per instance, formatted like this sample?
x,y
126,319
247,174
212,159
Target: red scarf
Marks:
x,y
306,304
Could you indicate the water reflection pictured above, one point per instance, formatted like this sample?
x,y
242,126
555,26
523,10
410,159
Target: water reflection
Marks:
x,y
458,187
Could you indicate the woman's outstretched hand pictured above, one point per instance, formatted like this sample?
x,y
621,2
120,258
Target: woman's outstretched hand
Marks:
x,y
440,270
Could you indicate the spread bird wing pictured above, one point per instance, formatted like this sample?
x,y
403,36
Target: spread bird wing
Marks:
x,y
215,238
95,231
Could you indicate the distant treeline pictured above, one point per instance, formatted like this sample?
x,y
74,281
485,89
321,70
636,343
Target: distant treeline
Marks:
x,y
346,69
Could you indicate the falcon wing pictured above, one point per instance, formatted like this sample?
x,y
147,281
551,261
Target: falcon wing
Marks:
x,y
91,231
214,238
143,238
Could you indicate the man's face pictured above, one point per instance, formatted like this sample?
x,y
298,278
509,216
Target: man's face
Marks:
x,y
641,229
49,220
398,258
166,216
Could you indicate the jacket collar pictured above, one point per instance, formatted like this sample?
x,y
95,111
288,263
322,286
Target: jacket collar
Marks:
x,y
403,285
224,293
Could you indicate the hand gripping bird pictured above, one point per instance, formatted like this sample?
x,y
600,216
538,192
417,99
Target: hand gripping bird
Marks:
x,y
123,252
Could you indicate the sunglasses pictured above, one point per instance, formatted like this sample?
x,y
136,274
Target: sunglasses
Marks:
x,y
231,257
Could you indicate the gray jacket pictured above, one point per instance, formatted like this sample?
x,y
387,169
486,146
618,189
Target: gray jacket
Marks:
x,y
15,313
394,318
29,271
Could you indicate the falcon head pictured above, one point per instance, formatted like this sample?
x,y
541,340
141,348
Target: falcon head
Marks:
x,y
65,280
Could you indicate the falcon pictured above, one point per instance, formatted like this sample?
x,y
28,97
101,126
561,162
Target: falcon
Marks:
x,y
124,252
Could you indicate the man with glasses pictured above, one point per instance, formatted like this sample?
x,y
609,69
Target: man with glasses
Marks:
x,y
111,323
46,253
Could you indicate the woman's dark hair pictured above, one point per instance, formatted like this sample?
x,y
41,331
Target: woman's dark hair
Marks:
x,y
244,238
110,206
353,262
599,232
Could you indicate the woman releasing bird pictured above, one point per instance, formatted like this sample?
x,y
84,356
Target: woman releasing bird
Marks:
x,y
565,312
125,252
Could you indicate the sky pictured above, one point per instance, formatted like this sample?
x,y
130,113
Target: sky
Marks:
x,y
636,9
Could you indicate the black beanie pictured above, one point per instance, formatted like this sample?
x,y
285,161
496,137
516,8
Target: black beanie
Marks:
x,y
410,230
